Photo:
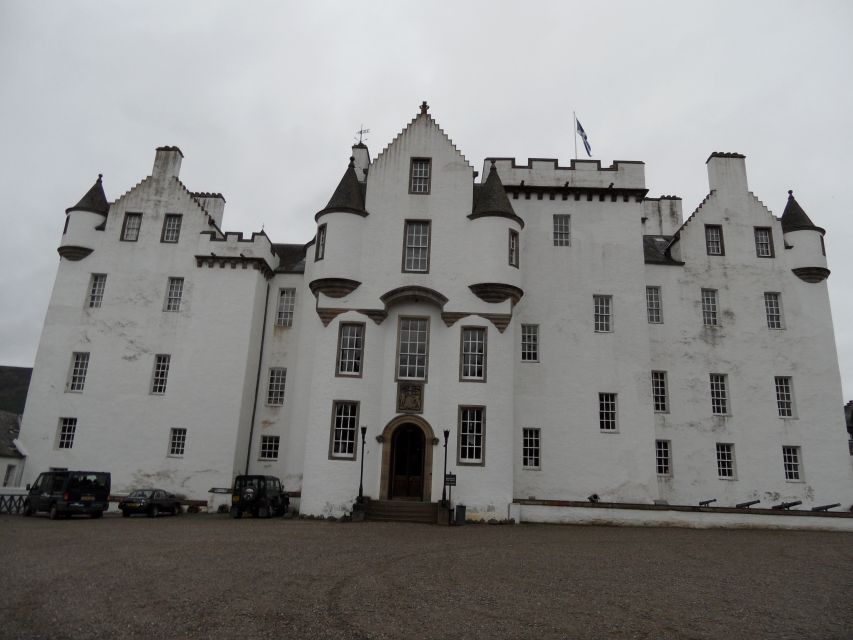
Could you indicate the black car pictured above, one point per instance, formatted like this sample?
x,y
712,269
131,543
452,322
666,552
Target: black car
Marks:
x,y
262,496
64,493
151,502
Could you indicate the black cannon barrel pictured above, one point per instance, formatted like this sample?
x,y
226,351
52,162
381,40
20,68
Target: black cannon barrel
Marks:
x,y
826,507
746,505
787,505
705,503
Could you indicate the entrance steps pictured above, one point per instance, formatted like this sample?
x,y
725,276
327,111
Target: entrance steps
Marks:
x,y
402,511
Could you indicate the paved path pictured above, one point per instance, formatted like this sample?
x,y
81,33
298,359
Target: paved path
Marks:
x,y
207,576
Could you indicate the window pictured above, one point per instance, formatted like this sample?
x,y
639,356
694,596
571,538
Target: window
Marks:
x,y
607,411
177,442
725,460
709,308
67,429
719,396
472,362
472,435
350,348
763,242
412,349
663,458
130,227
96,290
320,246
269,447
530,449
530,343
714,240
344,427
513,248
173,294
420,175
784,397
416,249
654,312
791,462
562,230
773,309
10,475
275,387
171,227
602,313
79,367
659,394
161,373
286,303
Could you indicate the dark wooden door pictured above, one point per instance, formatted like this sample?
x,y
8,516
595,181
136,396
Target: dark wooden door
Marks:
x,y
407,463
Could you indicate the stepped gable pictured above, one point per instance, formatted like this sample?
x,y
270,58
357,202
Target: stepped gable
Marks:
x,y
94,201
424,113
795,219
349,196
490,199
677,235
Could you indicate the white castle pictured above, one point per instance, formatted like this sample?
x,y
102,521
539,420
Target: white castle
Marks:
x,y
572,334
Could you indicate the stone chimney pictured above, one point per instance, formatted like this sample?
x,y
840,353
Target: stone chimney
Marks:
x,y
362,160
167,162
727,173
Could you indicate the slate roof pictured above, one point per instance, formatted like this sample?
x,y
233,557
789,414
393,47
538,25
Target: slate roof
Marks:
x,y
291,257
95,200
349,196
490,198
655,250
794,218
9,428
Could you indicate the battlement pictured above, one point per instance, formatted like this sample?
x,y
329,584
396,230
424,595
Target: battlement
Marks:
x,y
234,245
546,172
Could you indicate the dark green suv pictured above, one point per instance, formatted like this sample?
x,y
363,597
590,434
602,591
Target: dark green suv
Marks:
x,y
262,496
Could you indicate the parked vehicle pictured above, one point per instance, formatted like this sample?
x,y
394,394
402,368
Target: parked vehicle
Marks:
x,y
151,502
262,496
64,493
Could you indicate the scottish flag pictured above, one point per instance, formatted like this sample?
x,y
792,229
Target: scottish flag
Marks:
x,y
582,134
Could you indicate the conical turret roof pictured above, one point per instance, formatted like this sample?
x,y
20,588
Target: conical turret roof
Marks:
x,y
95,200
349,196
794,218
490,199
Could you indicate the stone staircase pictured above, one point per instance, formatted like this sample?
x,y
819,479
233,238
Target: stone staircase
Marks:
x,y
402,511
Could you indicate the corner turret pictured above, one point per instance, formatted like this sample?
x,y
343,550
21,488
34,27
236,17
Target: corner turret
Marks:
x,y
81,220
805,241
490,199
348,197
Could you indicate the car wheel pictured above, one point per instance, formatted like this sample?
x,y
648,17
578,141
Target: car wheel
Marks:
x,y
53,514
125,513
153,511
96,514
236,513
176,510
263,511
28,510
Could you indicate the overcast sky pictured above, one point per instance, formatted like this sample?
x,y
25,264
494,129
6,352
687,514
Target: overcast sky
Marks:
x,y
264,99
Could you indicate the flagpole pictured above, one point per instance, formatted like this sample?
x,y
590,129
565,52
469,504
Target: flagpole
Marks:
x,y
575,118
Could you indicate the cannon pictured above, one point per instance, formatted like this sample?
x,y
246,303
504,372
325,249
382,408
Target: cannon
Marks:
x,y
705,503
826,507
746,505
787,505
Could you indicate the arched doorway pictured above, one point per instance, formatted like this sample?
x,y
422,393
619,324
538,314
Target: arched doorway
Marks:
x,y
407,463
408,443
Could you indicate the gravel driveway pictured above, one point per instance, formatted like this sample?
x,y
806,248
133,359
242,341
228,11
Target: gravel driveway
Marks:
x,y
207,576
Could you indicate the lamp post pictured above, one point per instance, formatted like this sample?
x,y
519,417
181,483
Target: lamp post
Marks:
x,y
361,476
444,479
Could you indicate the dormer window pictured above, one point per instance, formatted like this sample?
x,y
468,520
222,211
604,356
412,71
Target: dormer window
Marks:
x,y
420,175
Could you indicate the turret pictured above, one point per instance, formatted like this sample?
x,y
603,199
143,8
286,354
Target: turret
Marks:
x,y
337,245
82,220
804,240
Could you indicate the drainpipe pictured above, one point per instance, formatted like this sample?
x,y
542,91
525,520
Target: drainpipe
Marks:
x,y
258,378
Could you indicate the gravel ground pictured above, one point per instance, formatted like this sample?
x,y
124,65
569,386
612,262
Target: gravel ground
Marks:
x,y
207,576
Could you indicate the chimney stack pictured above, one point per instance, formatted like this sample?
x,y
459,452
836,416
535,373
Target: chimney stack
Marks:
x,y
167,162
